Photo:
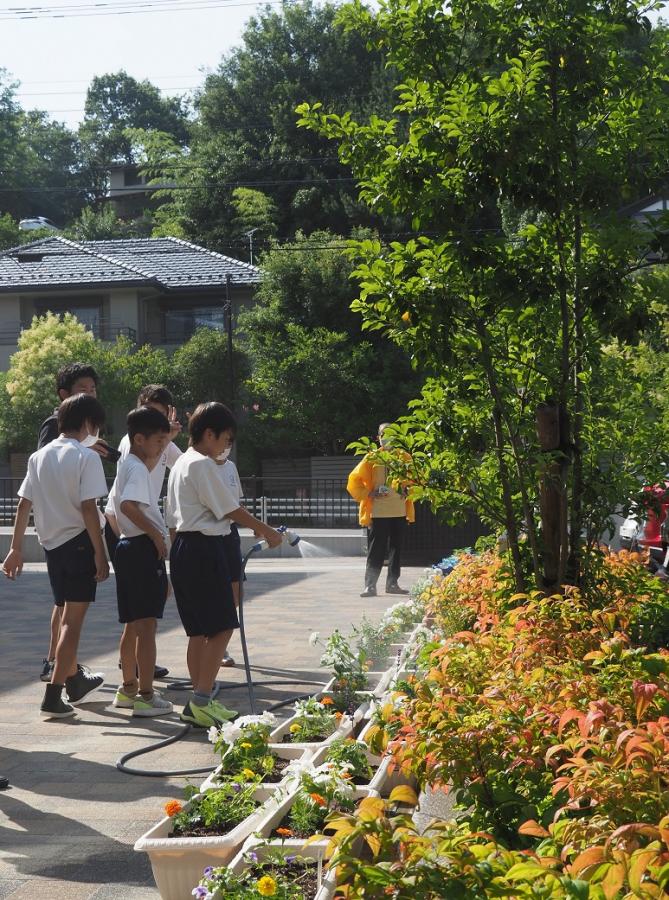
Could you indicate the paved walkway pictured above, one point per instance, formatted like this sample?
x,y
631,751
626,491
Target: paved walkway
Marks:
x,y
70,819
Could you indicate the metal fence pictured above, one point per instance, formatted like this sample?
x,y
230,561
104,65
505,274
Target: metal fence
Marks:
x,y
311,503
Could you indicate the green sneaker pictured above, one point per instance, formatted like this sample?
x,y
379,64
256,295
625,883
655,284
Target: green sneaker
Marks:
x,y
156,706
124,701
222,712
199,716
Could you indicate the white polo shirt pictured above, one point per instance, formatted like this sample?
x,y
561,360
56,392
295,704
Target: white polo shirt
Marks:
x,y
60,477
170,455
133,482
197,498
230,478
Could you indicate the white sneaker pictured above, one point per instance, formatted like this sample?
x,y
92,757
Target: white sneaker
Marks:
x,y
156,706
228,661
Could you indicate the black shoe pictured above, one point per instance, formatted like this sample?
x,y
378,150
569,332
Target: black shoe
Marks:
x,y
369,591
158,672
53,706
47,669
81,685
394,588
4,783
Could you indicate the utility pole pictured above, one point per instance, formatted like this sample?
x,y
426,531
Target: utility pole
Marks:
x,y
249,235
228,328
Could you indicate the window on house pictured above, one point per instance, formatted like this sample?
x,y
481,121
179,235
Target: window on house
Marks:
x,y
88,314
180,324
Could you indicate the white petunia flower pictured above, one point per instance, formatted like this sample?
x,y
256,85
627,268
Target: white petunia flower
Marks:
x,y
213,734
314,638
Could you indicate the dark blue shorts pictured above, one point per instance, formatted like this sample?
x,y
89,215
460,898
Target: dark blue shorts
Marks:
x,y
141,579
233,553
201,582
71,569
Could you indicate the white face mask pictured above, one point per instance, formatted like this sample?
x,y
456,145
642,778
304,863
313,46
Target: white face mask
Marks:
x,y
223,456
91,439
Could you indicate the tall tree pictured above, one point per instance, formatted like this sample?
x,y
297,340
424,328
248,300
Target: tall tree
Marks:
x,y
316,381
116,102
555,110
246,134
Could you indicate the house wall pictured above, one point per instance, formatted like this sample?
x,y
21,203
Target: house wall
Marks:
x,y
10,323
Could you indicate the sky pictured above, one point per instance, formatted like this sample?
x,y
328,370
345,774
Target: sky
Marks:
x,y
54,59
174,44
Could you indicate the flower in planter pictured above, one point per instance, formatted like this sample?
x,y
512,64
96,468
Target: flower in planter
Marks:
x,y
321,790
172,807
314,720
243,746
216,811
268,873
350,758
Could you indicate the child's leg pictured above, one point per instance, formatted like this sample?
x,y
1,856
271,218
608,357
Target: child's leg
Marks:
x,y
128,656
194,653
68,643
213,649
146,653
235,593
56,615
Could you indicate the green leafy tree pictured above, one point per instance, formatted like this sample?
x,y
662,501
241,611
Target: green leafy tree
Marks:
x,y
201,370
246,136
255,216
9,232
556,112
28,393
117,102
316,382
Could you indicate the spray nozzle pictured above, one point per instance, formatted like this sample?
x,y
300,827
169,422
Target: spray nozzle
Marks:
x,y
291,538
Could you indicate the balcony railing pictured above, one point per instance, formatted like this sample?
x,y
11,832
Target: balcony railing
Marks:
x,y
103,330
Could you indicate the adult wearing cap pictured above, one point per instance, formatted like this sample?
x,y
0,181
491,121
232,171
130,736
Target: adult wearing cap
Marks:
x,y
384,510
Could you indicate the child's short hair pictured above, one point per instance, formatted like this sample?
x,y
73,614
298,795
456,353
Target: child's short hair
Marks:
x,y
75,411
212,415
67,376
146,420
154,393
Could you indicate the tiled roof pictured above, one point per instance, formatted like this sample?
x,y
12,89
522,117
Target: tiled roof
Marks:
x,y
165,263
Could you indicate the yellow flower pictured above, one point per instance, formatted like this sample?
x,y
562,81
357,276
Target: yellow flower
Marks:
x,y
246,745
266,887
249,773
294,728
406,317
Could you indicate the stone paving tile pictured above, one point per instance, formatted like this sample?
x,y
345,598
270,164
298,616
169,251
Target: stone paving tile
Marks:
x,y
70,819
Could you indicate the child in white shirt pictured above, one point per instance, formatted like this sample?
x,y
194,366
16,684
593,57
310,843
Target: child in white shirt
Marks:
x,y
63,483
139,562
198,511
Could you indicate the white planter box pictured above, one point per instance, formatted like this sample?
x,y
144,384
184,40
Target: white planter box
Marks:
x,y
385,780
328,883
285,751
276,737
178,862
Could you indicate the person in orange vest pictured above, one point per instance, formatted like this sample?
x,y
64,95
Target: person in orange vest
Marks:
x,y
384,511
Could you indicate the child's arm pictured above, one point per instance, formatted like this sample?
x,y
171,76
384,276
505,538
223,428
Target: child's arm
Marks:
x,y
89,511
13,564
246,520
113,523
131,509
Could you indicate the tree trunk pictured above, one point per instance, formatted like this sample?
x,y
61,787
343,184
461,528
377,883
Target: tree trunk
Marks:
x,y
552,432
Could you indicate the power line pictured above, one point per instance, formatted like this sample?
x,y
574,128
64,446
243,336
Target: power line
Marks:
x,y
138,9
20,93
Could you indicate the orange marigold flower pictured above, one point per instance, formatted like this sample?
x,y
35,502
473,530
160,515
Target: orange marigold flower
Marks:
x,y
172,807
318,800
285,832
327,701
339,715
